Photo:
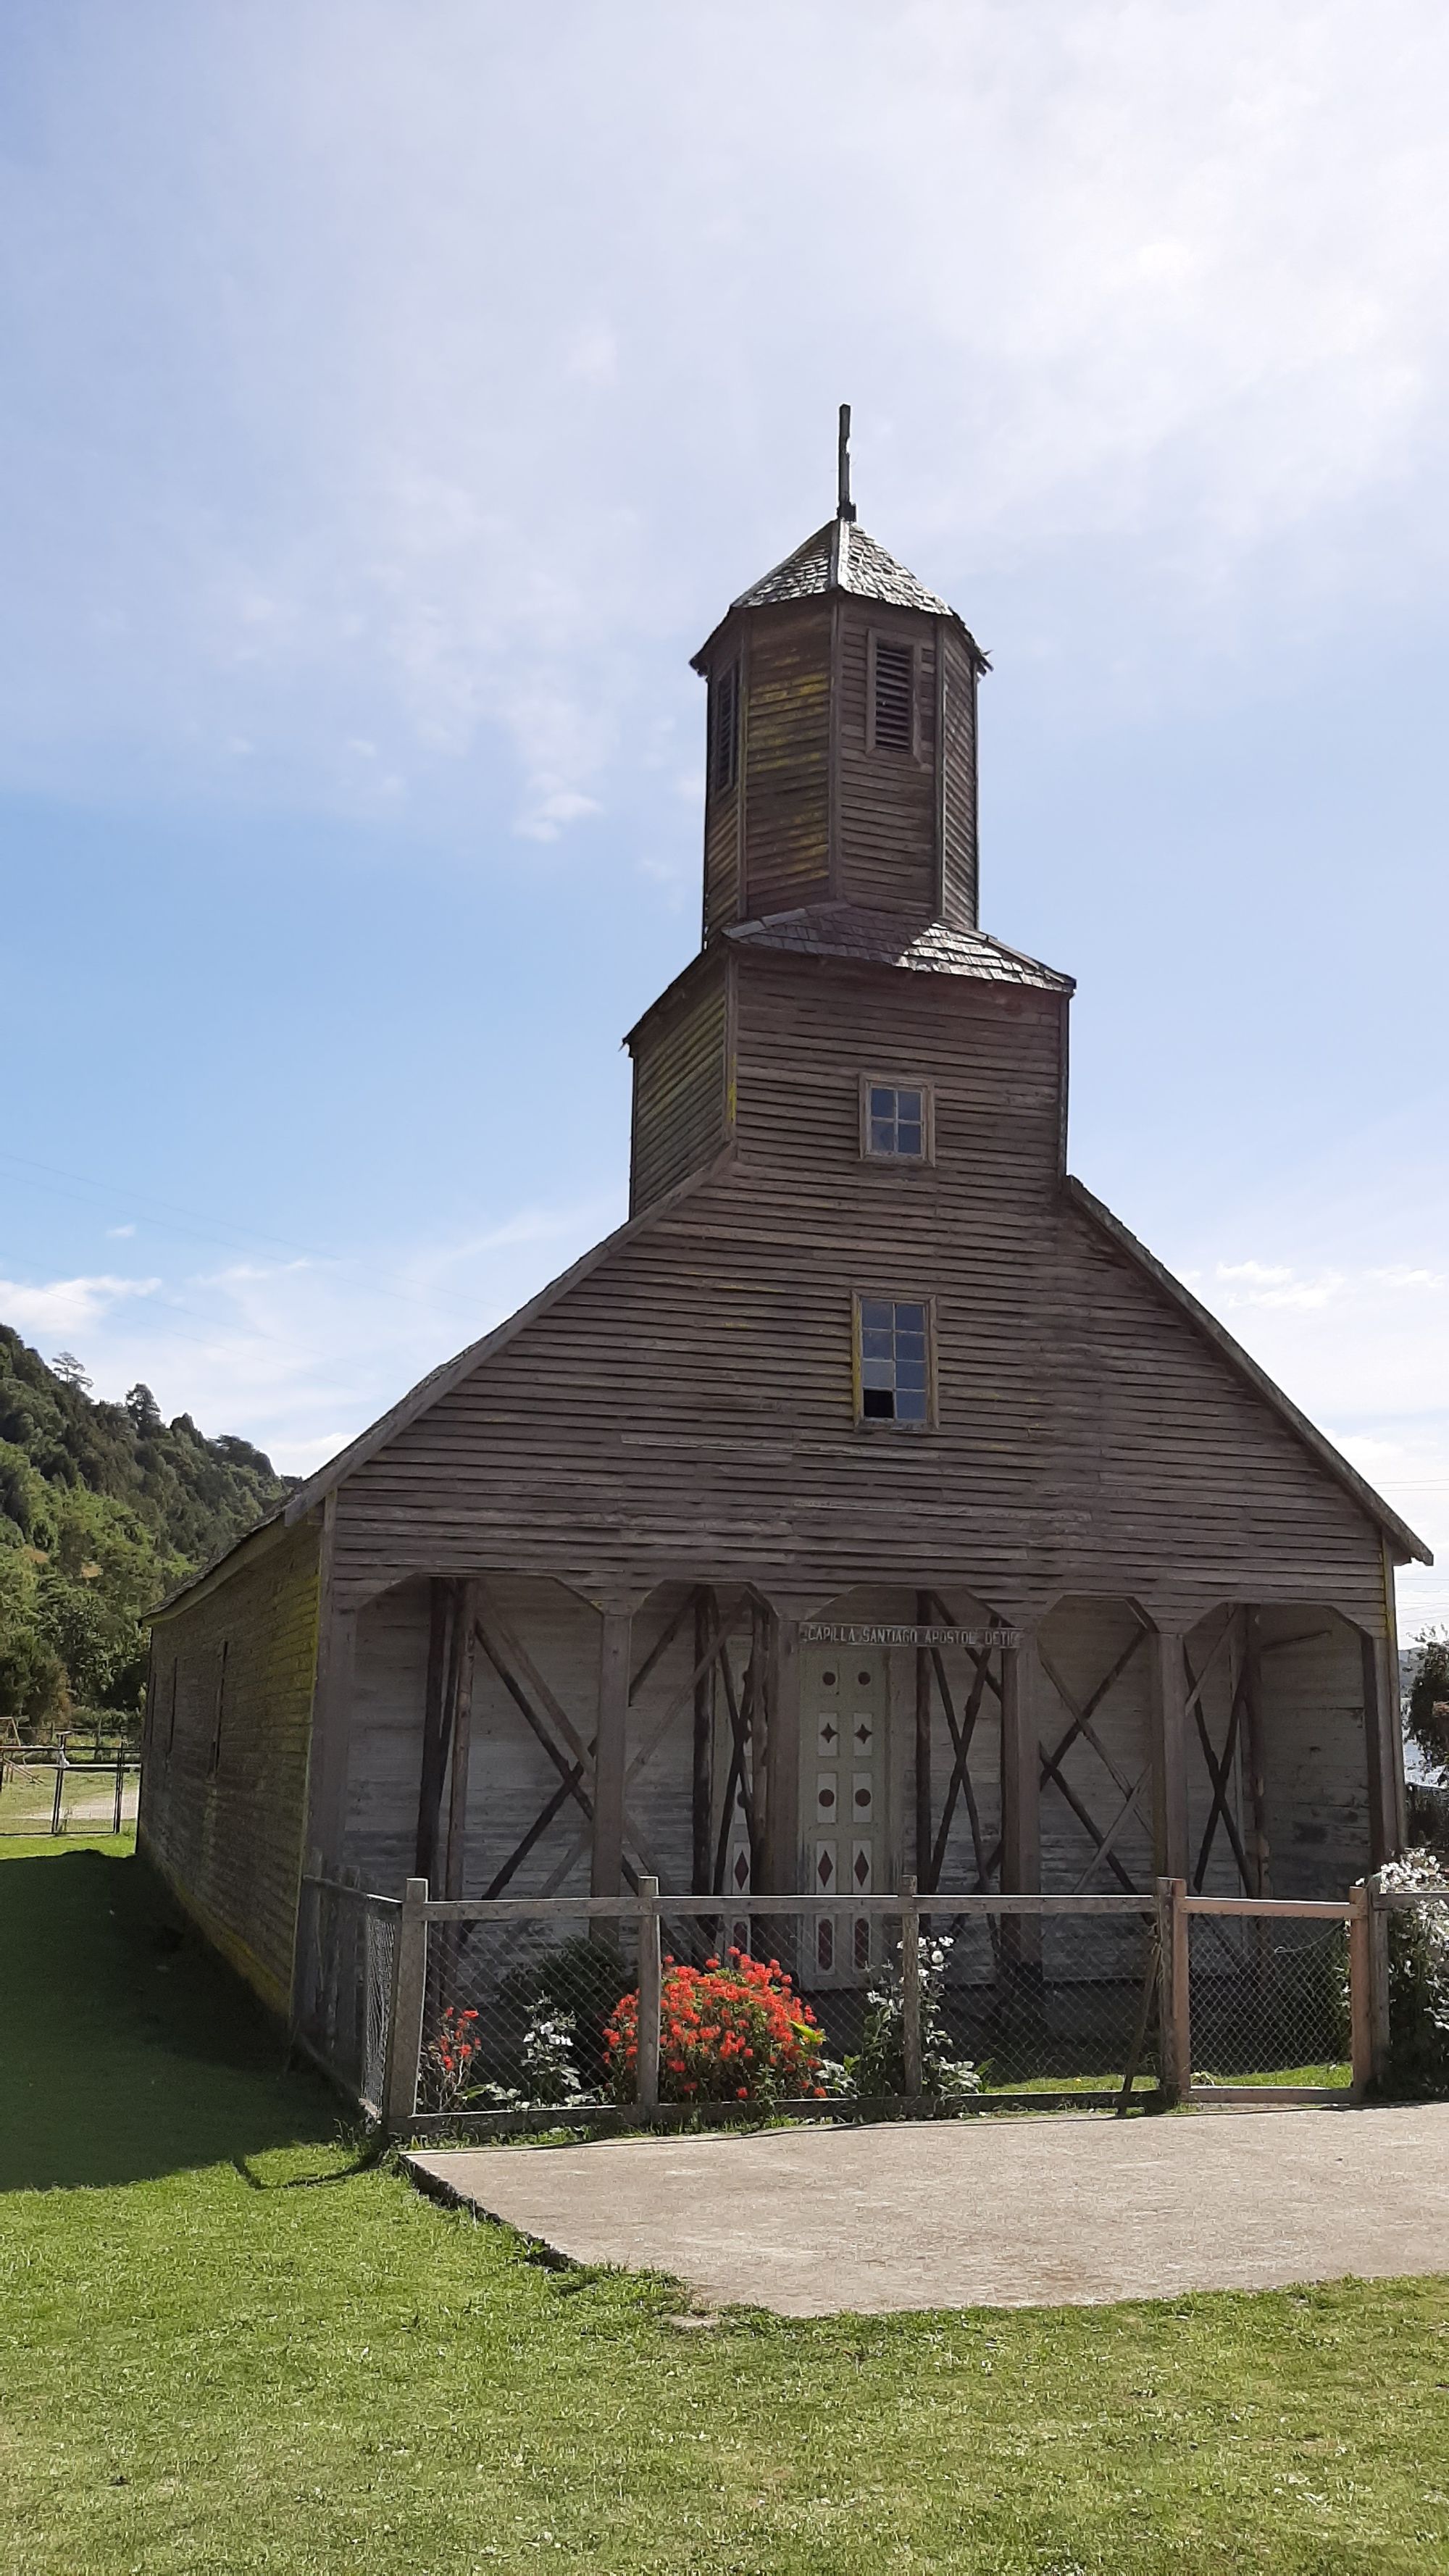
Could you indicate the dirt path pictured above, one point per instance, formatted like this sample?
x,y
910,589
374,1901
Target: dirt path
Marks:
x,y
989,2213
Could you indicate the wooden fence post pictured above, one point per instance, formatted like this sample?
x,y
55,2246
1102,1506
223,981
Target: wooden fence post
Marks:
x,y
1380,2033
1360,1992
120,1787
405,2021
651,1987
1175,2013
57,1815
911,1986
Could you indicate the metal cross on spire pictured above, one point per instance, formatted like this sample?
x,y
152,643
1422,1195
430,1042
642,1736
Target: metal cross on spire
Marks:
x,y
845,507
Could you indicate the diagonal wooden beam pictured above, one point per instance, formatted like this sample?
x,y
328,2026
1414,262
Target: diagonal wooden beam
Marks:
x,y
961,1732
1084,1817
580,1771
1128,1807
1082,1713
523,1663
661,1645
1198,1686
578,1774
682,1698
535,1833
1220,1775
737,1779
979,1655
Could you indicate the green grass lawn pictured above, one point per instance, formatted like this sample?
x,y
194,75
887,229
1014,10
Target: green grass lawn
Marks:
x,y
228,2343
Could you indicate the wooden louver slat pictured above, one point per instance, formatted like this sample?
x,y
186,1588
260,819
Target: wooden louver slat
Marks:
x,y
893,712
724,710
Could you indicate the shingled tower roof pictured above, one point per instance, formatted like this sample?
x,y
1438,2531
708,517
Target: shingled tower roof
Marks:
x,y
842,556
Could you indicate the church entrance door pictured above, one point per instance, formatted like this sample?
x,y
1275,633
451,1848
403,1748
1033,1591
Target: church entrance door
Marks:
x,y
844,1734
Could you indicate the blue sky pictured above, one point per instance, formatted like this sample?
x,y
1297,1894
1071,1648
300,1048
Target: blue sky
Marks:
x,y
395,396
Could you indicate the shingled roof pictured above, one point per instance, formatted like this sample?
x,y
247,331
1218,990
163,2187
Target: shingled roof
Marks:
x,y
842,556
883,939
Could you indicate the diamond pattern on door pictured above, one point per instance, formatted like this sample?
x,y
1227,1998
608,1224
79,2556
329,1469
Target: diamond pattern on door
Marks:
x,y
845,1724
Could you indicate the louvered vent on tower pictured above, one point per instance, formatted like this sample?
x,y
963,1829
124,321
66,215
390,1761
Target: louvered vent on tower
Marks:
x,y
892,696
724,722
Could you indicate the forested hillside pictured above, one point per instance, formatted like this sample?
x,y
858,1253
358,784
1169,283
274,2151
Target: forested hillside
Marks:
x,y
103,1508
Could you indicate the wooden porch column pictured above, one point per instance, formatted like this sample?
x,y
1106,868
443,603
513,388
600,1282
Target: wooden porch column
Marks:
x,y
606,1877
780,1865
1382,1749
702,1749
1256,1745
435,1738
1169,1754
460,1713
925,1836
1021,1699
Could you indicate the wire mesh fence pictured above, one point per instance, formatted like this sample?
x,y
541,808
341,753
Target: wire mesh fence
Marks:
x,y
771,2003
523,2013
1411,1900
344,2012
42,1795
1270,2000
517,2014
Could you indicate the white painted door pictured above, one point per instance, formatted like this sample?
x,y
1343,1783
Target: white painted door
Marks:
x,y
844,1734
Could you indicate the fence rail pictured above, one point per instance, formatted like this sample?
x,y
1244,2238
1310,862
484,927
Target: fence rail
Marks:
x,y
511,2014
52,1792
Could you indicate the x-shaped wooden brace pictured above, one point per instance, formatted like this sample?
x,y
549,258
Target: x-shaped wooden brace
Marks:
x,y
1219,1769
573,1760
743,1709
575,1775
1081,1714
961,1731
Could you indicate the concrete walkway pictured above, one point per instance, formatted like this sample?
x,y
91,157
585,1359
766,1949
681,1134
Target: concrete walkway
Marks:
x,y
987,2213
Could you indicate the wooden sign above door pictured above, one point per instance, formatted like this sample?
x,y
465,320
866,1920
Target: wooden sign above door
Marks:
x,y
816,1632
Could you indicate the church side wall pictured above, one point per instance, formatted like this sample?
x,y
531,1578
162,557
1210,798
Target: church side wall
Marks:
x,y
224,1789
681,1086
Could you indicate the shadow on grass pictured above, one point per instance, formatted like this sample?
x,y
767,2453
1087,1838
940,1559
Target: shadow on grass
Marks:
x,y
129,2050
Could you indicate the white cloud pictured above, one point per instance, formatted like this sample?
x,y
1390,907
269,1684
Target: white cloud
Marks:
x,y
1365,1351
66,1305
300,1355
119,1232
1090,272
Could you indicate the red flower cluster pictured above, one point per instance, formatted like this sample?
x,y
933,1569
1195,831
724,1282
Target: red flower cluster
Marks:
x,y
736,2032
447,2058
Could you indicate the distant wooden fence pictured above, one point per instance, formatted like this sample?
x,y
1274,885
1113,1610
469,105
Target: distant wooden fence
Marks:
x,y
47,1791
462,2015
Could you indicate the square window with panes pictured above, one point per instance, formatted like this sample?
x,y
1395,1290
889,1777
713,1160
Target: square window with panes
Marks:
x,y
895,1119
895,1366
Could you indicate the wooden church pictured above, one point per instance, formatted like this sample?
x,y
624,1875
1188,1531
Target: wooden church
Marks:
x,y
870,1502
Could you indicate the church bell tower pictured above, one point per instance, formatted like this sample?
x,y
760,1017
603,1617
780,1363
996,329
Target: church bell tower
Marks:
x,y
841,738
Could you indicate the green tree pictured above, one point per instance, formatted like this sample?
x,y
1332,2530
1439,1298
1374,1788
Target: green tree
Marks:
x,y
1427,1723
104,1508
